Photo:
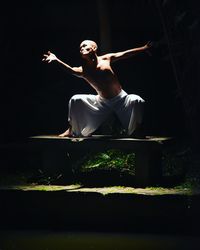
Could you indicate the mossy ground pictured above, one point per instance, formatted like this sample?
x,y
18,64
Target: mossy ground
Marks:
x,y
104,190
110,163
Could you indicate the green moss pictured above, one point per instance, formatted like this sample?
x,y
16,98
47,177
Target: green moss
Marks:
x,y
149,191
191,183
109,160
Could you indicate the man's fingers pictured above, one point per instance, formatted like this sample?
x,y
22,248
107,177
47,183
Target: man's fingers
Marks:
x,y
47,57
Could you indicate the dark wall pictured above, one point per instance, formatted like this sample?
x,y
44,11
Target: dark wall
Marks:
x,y
35,95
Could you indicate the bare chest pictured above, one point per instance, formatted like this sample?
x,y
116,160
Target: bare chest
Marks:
x,y
101,71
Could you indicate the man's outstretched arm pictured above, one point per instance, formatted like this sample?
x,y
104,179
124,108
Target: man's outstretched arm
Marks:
x,y
128,53
49,57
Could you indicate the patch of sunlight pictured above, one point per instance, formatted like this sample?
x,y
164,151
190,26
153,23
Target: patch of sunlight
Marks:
x,y
41,187
139,191
105,190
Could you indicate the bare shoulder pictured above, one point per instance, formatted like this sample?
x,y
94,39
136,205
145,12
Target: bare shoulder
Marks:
x,y
106,56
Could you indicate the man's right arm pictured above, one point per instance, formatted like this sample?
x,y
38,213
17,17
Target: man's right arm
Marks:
x,y
49,57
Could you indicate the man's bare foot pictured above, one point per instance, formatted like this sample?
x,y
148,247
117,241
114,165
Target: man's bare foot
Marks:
x,y
67,133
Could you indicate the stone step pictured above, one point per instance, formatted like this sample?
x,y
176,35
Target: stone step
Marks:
x,y
74,209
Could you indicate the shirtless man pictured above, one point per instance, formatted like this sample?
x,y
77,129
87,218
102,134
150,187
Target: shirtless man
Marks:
x,y
87,112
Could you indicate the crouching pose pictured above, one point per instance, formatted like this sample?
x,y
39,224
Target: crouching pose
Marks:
x,y
88,112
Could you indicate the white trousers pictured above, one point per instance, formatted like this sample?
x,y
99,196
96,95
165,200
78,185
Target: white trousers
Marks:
x,y
88,112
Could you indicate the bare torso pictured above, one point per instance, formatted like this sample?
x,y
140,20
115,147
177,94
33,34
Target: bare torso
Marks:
x,y
102,78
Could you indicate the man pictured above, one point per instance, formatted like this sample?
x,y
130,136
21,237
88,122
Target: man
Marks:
x,y
88,112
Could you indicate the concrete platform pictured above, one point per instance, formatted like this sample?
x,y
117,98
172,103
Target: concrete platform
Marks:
x,y
148,152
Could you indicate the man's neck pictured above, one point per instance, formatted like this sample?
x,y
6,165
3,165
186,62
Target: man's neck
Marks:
x,y
91,60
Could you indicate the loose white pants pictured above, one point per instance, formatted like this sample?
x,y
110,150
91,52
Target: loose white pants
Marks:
x,y
88,112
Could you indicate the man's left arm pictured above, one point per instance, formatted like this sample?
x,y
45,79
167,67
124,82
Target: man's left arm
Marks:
x,y
128,53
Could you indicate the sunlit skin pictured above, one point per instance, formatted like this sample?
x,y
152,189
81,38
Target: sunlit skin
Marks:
x,y
97,70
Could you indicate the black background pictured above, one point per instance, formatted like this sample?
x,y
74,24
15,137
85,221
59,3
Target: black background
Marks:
x,y
35,95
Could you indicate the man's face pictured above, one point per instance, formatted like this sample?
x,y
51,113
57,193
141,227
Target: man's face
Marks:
x,y
87,47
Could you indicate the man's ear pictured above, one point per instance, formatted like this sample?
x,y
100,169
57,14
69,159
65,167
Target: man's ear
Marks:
x,y
95,48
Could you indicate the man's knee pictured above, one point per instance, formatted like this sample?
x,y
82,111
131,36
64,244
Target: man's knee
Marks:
x,y
76,98
136,99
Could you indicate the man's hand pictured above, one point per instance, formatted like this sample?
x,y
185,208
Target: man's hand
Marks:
x,y
147,47
49,57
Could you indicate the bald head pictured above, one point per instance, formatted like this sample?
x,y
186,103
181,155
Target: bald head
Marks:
x,y
89,42
87,48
